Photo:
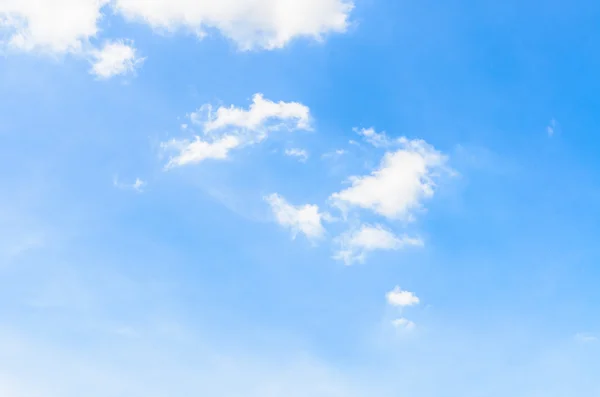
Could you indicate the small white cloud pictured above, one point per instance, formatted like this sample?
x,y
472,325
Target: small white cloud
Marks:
x,y
114,59
228,128
262,115
376,139
300,154
403,324
137,185
586,338
355,244
304,219
400,298
198,150
404,178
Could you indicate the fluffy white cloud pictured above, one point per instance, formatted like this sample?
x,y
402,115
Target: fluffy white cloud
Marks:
x,y
252,24
403,324
66,25
304,219
262,115
400,298
227,128
355,244
300,154
56,26
404,178
114,59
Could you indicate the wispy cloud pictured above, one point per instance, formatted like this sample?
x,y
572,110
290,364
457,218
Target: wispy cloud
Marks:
x,y
300,154
354,245
138,185
306,219
229,128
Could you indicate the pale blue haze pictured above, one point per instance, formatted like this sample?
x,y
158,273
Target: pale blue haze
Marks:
x,y
190,288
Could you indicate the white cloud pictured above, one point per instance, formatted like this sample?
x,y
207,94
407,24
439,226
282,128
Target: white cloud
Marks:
x,y
404,178
261,116
198,150
304,219
403,324
54,26
115,58
355,244
231,127
137,185
300,154
252,24
400,298
377,139
62,26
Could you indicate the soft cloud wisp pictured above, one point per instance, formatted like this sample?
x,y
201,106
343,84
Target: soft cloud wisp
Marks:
x,y
304,219
231,127
355,244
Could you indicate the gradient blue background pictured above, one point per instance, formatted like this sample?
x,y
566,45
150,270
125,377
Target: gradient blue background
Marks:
x,y
112,293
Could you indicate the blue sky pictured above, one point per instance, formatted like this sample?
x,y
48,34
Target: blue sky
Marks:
x,y
299,198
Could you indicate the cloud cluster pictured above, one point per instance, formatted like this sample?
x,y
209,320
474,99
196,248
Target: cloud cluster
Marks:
x,y
72,26
394,192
